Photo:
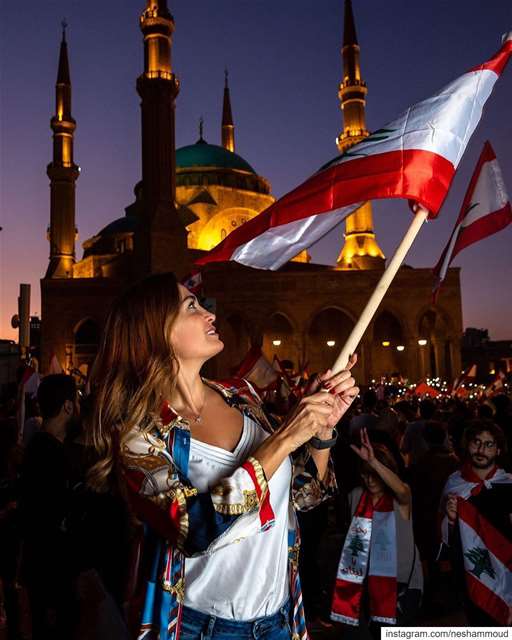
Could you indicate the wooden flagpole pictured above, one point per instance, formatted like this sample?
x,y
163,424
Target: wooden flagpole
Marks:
x,y
373,303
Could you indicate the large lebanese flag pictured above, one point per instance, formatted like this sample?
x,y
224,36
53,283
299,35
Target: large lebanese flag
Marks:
x,y
485,210
487,563
413,157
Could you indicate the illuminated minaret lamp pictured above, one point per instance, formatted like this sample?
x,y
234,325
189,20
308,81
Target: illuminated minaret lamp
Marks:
x,y
63,173
228,127
360,250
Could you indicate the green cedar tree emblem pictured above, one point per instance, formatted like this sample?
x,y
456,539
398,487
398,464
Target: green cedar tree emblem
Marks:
x,y
481,561
356,545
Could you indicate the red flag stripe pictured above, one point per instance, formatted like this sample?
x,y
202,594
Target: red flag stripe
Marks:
x,y
493,539
385,605
487,155
346,599
486,600
416,175
498,62
483,227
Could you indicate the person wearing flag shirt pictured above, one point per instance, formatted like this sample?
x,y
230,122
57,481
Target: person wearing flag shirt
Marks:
x,y
379,579
214,482
477,526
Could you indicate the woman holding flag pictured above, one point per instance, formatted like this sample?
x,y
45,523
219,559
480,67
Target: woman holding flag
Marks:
x,y
213,481
379,579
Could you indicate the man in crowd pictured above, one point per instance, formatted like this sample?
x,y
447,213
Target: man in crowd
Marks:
x,y
45,492
477,526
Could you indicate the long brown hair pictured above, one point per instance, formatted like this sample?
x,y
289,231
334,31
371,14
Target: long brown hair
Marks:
x,y
134,370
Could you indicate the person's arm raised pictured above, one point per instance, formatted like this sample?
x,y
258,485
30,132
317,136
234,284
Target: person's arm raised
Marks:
x,y
400,489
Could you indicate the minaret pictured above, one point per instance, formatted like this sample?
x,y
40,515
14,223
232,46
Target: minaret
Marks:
x,y
161,238
228,128
361,250
63,173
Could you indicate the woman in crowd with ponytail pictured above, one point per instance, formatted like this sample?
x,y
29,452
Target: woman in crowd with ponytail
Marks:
x,y
213,482
379,580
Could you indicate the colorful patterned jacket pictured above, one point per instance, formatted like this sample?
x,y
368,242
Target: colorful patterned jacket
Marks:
x,y
180,522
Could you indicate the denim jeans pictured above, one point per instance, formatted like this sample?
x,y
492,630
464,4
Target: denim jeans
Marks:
x,y
201,626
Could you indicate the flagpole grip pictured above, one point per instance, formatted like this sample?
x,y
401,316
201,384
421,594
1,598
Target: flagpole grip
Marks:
x,y
380,290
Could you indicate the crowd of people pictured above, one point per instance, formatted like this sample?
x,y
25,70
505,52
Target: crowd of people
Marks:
x,y
164,505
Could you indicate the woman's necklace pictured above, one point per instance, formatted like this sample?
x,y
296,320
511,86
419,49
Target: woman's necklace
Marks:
x,y
197,415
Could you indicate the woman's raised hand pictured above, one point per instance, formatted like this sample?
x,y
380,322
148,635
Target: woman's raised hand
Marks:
x,y
342,386
309,418
365,451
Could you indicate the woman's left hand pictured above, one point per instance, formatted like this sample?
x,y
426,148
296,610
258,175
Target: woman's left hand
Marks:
x,y
365,451
342,386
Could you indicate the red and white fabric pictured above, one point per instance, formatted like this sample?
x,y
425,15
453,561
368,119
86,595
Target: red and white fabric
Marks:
x,y
414,157
468,375
487,552
257,369
497,385
485,210
370,549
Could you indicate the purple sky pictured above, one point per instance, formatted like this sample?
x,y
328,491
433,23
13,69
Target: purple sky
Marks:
x,y
284,64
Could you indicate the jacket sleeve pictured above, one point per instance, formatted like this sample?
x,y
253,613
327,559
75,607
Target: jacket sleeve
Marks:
x,y
196,522
308,490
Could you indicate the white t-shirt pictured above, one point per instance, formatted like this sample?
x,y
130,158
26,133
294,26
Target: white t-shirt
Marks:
x,y
247,579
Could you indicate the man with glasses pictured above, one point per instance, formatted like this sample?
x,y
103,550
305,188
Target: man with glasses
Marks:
x,y
477,526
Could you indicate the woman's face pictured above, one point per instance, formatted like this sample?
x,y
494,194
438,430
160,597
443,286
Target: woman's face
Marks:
x,y
372,482
193,333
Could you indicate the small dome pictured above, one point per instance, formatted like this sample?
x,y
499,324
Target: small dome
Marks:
x,y
202,154
126,224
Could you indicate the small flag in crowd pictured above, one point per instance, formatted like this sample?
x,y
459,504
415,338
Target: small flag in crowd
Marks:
x,y
485,210
257,369
496,386
468,375
414,157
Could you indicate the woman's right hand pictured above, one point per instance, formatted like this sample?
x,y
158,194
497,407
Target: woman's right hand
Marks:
x,y
308,417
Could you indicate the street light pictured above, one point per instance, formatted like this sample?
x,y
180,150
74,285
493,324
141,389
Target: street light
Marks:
x,y
422,342
400,347
385,343
331,343
276,343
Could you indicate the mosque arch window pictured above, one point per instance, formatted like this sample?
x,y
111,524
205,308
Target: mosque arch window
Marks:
x,y
436,328
87,336
390,353
235,333
278,338
327,334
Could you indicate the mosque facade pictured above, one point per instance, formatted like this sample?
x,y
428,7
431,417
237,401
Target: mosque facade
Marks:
x,y
188,200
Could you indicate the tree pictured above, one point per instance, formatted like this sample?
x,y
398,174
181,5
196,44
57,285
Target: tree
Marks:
x,y
356,545
482,562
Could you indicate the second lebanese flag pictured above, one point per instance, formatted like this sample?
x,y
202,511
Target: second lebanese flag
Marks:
x,y
413,157
485,210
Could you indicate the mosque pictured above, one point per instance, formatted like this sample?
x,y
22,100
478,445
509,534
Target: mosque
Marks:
x,y
188,200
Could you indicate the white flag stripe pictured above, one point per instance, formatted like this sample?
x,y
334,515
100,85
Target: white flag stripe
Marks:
x,y
490,193
277,245
501,585
441,124
383,556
